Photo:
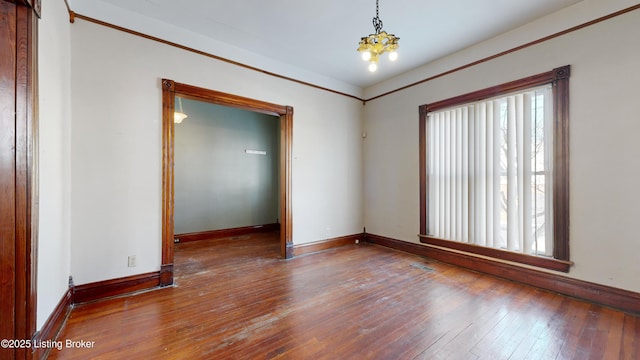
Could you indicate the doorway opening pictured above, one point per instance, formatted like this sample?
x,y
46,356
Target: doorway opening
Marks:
x,y
171,89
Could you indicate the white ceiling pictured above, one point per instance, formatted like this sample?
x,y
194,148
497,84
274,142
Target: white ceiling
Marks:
x,y
322,36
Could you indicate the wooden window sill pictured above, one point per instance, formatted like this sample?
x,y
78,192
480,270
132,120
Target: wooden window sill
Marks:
x,y
538,261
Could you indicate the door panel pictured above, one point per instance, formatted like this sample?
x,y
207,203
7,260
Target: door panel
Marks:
x,y
18,94
7,174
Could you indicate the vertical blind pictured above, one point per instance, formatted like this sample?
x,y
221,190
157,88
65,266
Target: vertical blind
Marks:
x,y
489,167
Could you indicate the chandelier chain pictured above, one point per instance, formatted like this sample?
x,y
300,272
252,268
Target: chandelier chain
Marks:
x,y
377,23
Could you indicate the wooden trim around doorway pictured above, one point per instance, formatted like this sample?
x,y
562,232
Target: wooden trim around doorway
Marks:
x,y
171,89
18,172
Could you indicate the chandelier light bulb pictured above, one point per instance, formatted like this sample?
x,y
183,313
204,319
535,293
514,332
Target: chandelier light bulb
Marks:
x,y
393,56
366,56
373,67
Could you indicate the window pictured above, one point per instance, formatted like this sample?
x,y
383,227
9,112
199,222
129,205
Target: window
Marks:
x,y
494,171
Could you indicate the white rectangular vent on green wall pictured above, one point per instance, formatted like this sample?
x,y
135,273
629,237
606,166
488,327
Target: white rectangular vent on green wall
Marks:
x,y
256,152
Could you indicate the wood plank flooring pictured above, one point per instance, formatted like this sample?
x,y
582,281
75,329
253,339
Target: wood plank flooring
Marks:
x,y
236,299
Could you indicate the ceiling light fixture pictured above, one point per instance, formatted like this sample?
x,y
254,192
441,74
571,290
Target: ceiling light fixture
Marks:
x,y
374,45
178,116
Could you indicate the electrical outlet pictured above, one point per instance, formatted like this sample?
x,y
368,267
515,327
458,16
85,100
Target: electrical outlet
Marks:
x,y
132,261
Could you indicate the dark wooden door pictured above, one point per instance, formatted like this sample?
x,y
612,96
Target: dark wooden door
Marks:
x,y
7,173
17,199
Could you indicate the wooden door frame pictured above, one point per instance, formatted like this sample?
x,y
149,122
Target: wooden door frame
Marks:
x,y
170,89
19,175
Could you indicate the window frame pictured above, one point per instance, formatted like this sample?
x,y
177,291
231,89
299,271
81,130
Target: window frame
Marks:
x,y
559,79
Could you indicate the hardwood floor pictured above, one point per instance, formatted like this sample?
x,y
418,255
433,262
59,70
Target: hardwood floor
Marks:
x,y
236,299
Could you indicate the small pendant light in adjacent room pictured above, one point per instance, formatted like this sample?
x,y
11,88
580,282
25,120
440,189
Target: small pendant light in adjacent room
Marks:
x,y
178,116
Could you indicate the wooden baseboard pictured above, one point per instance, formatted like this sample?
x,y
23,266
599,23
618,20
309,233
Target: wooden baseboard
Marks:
x,y
223,233
53,325
321,245
601,294
114,287
166,274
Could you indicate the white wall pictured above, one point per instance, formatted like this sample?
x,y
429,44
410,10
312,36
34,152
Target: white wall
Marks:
x,y
135,21
54,167
116,148
604,125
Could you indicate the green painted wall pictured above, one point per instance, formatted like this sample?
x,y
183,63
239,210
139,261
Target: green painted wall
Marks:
x,y
218,185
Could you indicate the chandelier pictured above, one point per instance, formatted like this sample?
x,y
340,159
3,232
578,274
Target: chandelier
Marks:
x,y
178,116
374,45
